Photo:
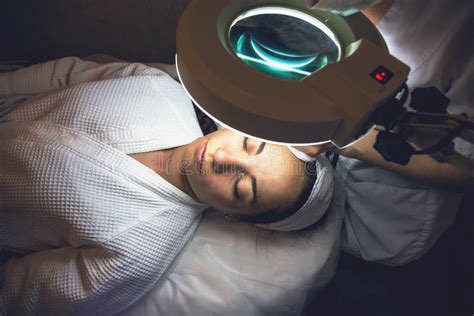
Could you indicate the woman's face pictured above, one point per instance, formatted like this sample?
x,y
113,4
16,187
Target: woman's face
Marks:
x,y
239,175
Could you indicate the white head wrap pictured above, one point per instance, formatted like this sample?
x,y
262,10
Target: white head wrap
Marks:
x,y
318,202
344,7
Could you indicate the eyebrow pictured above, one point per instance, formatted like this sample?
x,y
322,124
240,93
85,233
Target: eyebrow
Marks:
x,y
254,180
235,190
260,148
254,190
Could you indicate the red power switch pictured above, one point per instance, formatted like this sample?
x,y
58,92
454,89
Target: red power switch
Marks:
x,y
382,74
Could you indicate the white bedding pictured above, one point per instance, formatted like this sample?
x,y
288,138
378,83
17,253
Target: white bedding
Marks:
x,y
232,268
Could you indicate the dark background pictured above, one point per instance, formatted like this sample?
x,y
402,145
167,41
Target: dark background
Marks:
x,y
138,30
441,283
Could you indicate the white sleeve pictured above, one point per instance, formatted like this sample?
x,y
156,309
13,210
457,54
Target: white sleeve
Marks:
x,y
389,219
66,71
53,281
91,280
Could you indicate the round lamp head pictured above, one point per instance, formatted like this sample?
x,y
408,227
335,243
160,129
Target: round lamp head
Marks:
x,y
280,72
283,42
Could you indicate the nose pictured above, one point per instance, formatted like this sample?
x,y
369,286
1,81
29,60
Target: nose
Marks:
x,y
227,161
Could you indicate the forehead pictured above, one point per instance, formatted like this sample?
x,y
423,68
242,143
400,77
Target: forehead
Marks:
x,y
280,177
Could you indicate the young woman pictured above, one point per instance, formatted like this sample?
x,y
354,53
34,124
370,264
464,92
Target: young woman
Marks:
x,y
104,172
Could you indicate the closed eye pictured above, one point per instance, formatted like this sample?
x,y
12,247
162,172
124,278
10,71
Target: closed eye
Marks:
x,y
259,149
235,186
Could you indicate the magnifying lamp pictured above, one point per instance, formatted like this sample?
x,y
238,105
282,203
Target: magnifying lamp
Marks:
x,y
280,72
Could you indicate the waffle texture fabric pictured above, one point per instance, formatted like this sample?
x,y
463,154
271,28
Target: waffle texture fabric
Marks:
x,y
92,229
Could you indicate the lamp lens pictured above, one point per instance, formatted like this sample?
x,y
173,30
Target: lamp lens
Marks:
x,y
284,43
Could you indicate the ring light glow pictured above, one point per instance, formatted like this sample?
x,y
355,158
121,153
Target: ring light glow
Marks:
x,y
273,60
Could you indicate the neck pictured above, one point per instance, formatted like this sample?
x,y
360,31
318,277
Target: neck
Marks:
x,y
167,163
173,172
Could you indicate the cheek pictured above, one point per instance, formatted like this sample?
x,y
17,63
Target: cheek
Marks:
x,y
213,190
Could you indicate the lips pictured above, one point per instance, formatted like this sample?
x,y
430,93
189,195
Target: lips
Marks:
x,y
200,155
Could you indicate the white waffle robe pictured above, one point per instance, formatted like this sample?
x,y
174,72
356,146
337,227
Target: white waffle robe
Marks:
x,y
95,228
